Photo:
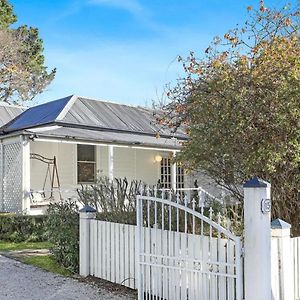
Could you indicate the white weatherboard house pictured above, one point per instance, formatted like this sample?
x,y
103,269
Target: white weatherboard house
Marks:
x,y
69,140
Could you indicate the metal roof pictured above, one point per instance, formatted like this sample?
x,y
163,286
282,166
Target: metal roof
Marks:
x,y
37,115
9,112
108,115
81,134
78,112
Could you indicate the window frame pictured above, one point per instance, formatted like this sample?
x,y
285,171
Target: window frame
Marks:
x,y
94,163
179,176
165,165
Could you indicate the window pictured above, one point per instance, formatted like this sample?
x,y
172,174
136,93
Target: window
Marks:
x,y
86,163
179,177
166,177
165,173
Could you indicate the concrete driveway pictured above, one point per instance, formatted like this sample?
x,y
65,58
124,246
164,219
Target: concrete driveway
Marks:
x,y
19,281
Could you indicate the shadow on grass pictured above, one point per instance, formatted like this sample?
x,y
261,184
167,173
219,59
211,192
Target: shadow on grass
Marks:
x,y
9,246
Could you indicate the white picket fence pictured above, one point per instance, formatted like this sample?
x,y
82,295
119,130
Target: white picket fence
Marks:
x,y
295,245
112,257
195,265
285,268
112,252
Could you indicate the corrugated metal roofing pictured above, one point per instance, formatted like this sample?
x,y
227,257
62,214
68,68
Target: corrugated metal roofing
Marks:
x,y
38,115
113,116
83,112
9,112
108,137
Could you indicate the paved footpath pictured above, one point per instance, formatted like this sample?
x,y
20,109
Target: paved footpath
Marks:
x,y
19,281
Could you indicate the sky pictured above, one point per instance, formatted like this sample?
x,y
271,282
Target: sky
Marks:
x,y
124,50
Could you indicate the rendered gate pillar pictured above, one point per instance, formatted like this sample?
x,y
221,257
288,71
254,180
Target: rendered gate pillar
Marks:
x,y
257,218
86,214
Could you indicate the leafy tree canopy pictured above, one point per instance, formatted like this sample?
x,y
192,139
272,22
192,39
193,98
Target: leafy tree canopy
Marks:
x,y
7,16
23,74
241,106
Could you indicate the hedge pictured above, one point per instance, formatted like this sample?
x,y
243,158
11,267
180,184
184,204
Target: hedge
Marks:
x,y
63,226
20,228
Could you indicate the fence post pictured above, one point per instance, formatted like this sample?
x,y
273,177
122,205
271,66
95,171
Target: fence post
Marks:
x,y
282,232
257,218
86,214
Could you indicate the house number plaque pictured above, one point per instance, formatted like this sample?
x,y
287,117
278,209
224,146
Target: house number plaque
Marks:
x,y
266,206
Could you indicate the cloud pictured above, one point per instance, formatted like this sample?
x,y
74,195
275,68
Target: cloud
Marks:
x,y
134,8
132,72
131,6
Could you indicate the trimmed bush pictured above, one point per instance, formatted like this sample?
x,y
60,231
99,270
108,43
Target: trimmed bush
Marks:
x,y
20,228
63,230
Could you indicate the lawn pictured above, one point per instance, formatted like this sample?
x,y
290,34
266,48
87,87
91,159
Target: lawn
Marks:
x,y
46,262
8,246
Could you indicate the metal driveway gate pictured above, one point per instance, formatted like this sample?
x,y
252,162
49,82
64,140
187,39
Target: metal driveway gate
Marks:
x,y
184,250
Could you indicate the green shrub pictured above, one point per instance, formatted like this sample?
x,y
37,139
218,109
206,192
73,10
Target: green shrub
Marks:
x,y
63,231
19,228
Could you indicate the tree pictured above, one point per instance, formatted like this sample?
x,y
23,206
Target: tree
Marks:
x,y
23,74
240,104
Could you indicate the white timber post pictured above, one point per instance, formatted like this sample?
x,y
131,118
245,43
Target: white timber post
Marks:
x,y
282,232
111,162
174,173
257,218
86,214
26,174
1,176
138,234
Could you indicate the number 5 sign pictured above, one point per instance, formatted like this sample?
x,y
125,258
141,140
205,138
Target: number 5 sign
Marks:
x,y
266,206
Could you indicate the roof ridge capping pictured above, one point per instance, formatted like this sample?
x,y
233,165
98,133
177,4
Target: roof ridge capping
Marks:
x,y
49,102
6,104
66,108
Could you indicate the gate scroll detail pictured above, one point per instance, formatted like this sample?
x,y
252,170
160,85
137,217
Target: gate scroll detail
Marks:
x,y
185,250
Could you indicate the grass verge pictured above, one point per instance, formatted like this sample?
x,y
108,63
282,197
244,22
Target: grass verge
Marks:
x,y
46,262
8,246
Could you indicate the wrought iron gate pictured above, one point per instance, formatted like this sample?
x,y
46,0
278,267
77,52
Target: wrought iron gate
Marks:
x,y
185,250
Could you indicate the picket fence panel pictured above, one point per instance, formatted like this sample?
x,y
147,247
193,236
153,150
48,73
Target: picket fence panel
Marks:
x,y
275,267
170,282
279,259
295,246
112,252
113,257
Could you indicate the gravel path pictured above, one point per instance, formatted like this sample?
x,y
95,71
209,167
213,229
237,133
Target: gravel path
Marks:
x,y
19,281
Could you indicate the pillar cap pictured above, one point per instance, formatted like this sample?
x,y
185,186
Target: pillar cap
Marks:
x,y
87,209
256,182
280,224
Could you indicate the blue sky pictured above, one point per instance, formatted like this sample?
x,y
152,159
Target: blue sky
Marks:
x,y
124,50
